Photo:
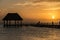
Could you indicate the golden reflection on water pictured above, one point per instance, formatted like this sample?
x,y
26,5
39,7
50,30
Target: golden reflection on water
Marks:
x,y
29,33
44,34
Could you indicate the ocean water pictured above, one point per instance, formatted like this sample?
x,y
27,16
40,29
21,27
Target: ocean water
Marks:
x,y
29,33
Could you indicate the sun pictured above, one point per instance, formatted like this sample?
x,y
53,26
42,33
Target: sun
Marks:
x,y
53,17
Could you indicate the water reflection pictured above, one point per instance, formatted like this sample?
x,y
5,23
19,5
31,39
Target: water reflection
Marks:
x,y
29,33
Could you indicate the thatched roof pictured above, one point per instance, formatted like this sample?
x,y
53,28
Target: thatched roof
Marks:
x,y
12,16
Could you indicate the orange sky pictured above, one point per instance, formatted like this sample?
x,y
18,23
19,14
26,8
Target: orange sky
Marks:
x,y
32,9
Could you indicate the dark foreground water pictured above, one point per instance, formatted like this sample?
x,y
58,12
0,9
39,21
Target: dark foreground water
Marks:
x,y
29,33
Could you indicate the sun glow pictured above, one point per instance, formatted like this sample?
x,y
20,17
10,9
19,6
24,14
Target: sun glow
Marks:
x,y
53,17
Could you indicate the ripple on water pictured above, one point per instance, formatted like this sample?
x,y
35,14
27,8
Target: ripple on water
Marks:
x,y
31,33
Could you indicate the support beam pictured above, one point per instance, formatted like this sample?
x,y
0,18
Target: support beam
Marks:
x,y
21,23
15,22
18,23
9,23
4,23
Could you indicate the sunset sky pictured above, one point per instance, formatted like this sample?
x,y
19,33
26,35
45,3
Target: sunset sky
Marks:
x,y
37,10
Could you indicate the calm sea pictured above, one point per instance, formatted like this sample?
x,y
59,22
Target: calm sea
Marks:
x,y
29,33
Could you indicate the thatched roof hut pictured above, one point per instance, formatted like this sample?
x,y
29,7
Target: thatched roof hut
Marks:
x,y
12,17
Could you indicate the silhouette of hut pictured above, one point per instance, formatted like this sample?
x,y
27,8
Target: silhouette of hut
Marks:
x,y
12,17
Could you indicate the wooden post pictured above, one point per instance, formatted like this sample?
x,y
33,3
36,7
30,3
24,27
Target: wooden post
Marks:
x,y
18,23
15,22
4,23
7,23
21,22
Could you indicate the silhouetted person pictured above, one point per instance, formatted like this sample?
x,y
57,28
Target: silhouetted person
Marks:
x,y
59,22
38,23
52,23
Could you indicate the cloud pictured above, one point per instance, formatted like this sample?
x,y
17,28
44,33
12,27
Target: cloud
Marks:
x,y
46,4
42,4
36,1
27,3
